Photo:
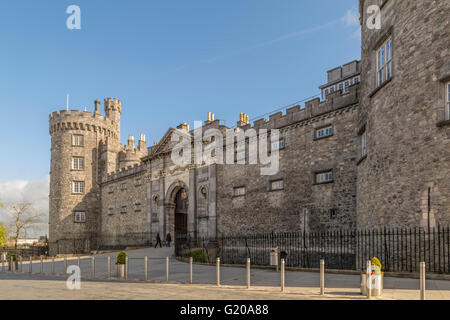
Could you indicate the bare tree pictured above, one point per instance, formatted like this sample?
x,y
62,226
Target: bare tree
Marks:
x,y
23,217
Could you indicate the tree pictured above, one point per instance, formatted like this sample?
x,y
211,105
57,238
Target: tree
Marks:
x,y
3,234
23,217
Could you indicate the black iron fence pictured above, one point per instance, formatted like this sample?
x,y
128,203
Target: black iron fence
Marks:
x,y
398,249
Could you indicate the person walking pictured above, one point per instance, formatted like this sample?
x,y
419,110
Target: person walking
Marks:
x,y
158,240
168,239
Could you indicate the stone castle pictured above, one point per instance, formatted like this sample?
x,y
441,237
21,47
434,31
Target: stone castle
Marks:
x,y
374,152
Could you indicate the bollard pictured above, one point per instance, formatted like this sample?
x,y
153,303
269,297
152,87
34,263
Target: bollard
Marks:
x,y
53,265
109,268
126,267
30,269
369,279
248,273
422,281
167,269
42,266
65,265
12,264
322,277
20,268
93,267
282,275
146,268
190,269
78,262
3,263
218,271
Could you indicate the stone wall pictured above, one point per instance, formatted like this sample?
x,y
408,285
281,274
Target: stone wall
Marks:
x,y
408,141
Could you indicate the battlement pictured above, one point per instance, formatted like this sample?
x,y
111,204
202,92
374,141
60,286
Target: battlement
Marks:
x,y
125,172
113,104
313,108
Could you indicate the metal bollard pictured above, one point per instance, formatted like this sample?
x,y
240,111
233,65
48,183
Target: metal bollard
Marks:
x,y
21,268
248,273
282,275
42,266
322,277
167,269
30,269
190,269
65,265
53,265
126,267
78,262
422,281
109,268
93,267
218,271
146,268
12,264
369,279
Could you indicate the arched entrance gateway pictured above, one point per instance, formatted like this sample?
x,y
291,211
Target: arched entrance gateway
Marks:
x,y
177,210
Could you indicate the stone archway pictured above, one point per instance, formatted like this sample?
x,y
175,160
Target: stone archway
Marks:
x,y
176,209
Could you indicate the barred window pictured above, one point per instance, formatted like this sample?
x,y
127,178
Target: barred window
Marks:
x,y
384,62
78,163
324,177
277,185
80,216
78,187
239,191
77,140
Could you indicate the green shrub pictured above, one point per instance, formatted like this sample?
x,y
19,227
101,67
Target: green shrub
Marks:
x,y
121,258
197,256
13,255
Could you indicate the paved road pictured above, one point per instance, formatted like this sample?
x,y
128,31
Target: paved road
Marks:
x,y
230,276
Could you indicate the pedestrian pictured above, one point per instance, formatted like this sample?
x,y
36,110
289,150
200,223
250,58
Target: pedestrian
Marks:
x,y
168,239
158,240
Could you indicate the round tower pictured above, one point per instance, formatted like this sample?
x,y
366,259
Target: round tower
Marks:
x,y
75,175
404,126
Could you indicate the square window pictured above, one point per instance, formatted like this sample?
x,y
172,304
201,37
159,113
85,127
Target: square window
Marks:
x,y
123,186
239,191
80,216
278,145
110,211
77,140
138,182
356,80
123,208
277,185
331,89
78,187
137,206
78,163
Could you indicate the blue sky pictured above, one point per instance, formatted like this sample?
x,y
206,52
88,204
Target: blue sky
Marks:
x,y
169,61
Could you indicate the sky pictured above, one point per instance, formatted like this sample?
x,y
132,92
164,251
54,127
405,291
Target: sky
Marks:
x,y
169,61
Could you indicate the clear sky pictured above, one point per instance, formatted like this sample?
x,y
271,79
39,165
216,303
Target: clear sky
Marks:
x,y
169,61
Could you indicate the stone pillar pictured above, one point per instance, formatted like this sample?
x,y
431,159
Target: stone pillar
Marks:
x,y
169,219
191,223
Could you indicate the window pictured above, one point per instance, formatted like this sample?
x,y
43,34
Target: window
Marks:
x,y
123,208
240,155
77,140
138,182
384,62
326,91
277,185
78,187
333,213
111,190
364,144
78,163
123,186
448,101
332,89
356,80
239,191
324,177
324,132
341,86
110,211
347,85
278,145
137,206
80,216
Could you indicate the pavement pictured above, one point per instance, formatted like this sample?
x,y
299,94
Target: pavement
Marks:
x,y
265,283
